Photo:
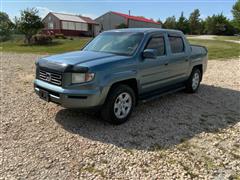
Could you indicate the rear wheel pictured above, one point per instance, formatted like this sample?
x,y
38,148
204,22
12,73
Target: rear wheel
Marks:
x,y
194,80
119,104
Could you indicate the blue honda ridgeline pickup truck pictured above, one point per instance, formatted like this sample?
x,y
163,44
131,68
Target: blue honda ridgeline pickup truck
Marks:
x,y
120,67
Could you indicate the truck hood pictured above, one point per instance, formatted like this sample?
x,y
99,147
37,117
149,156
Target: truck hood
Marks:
x,y
69,61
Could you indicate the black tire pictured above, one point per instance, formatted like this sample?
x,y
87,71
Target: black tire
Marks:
x,y
189,84
107,111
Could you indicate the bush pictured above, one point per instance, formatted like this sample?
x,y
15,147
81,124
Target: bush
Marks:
x,y
41,39
121,26
59,36
29,23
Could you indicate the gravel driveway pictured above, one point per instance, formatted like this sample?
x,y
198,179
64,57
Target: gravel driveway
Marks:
x,y
181,136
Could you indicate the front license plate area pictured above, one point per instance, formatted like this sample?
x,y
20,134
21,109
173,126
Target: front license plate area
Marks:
x,y
44,95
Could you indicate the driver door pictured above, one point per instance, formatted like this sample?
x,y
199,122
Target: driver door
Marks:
x,y
154,73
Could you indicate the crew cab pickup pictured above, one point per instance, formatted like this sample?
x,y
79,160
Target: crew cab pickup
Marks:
x,y
118,68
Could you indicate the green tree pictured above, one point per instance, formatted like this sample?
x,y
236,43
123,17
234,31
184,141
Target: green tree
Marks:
x,y
182,24
170,23
29,23
159,21
195,22
218,25
6,26
202,27
236,15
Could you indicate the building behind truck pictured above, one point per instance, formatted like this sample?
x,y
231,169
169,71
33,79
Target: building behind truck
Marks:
x,y
69,25
114,20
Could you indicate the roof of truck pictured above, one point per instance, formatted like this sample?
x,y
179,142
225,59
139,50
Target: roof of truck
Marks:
x,y
144,30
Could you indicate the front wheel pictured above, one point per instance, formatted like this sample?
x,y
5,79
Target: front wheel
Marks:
x,y
193,82
119,104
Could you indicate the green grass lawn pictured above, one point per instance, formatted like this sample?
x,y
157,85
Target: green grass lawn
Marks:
x,y
218,49
57,46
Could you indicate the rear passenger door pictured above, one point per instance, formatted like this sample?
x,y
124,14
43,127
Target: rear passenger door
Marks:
x,y
178,59
154,72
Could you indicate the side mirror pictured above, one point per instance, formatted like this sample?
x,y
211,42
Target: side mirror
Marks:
x,y
150,53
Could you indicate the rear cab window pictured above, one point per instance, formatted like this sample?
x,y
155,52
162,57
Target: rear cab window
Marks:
x,y
157,43
176,44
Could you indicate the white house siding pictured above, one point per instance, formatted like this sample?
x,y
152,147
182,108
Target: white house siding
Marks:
x,y
51,19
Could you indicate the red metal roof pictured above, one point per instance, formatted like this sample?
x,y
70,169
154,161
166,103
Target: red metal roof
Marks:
x,y
136,18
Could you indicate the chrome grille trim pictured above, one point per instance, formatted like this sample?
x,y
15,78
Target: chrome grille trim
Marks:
x,y
50,77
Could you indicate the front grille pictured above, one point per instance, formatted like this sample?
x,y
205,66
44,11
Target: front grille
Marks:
x,y
50,77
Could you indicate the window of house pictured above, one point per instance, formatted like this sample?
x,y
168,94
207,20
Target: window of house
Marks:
x,y
71,25
158,44
50,25
78,26
81,26
68,25
176,44
84,27
64,24
74,26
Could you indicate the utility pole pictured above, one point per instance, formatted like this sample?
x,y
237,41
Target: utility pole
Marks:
x,y
129,13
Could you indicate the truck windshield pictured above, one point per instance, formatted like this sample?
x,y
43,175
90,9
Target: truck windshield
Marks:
x,y
121,43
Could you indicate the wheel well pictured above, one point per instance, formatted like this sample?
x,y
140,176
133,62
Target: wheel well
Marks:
x,y
200,68
129,82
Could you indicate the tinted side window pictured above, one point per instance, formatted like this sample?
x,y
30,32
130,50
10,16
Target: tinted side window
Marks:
x,y
158,44
176,44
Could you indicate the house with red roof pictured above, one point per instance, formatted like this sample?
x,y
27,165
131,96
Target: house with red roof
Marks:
x,y
113,20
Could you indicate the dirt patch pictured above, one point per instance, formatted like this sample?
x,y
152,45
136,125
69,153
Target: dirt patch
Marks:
x,y
180,136
234,41
206,37
212,37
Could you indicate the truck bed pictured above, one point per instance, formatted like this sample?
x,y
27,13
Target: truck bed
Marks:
x,y
198,50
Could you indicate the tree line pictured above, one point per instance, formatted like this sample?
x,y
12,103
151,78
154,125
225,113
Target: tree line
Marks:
x,y
217,24
29,23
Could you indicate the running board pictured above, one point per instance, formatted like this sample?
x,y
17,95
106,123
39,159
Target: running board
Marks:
x,y
156,96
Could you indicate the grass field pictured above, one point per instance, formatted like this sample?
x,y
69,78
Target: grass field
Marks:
x,y
57,46
218,47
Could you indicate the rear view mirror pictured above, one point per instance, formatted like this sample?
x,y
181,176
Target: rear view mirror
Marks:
x,y
150,53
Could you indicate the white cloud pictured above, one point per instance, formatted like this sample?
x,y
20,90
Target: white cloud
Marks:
x,y
229,16
43,11
203,16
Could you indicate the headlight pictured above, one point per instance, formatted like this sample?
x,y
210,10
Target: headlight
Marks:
x,y
82,77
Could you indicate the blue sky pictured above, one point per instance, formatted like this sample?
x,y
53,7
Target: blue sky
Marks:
x,y
93,8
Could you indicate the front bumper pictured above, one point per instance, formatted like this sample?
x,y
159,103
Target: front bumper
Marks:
x,y
71,98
